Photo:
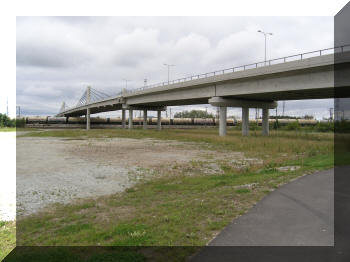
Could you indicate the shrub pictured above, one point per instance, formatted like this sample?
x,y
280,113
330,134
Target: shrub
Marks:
x,y
20,122
293,126
342,126
324,127
276,125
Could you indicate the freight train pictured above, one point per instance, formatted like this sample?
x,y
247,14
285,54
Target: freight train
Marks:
x,y
47,120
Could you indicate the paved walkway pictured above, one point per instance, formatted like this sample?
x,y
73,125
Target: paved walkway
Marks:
x,y
297,214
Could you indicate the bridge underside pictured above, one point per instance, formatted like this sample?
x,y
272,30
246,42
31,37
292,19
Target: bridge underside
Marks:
x,y
93,110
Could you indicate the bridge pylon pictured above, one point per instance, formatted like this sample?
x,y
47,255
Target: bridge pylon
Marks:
x,y
88,98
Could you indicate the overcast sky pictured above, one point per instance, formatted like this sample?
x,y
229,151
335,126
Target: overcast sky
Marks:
x,y
57,57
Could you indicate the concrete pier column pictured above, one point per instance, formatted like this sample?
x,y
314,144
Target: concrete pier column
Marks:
x,y
245,121
144,119
123,118
222,120
130,118
159,120
265,121
88,119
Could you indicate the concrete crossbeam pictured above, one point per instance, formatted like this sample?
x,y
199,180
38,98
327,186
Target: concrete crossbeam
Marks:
x,y
232,102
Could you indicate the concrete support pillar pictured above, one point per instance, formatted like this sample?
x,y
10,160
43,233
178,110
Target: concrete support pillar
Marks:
x,y
88,119
130,118
144,119
159,120
245,121
222,120
123,118
265,121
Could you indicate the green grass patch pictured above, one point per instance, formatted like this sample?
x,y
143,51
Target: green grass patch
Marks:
x,y
242,190
278,143
7,129
7,238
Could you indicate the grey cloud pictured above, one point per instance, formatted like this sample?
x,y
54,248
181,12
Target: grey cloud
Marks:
x,y
57,57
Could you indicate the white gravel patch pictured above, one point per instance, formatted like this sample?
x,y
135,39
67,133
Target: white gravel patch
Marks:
x,y
47,174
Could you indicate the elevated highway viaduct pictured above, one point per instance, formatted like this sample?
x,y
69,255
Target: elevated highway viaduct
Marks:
x,y
251,86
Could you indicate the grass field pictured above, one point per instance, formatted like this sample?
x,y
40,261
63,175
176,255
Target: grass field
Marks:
x,y
7,129
7,238
178,210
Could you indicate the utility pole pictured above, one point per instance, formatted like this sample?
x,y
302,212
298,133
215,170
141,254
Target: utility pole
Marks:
x,y
331,114
284,104
168,65
145,83
265,34
7,107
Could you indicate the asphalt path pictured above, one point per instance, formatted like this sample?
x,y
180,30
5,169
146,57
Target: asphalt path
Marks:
x,y
300,213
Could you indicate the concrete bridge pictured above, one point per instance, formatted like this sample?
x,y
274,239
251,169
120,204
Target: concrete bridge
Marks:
x,y
258,85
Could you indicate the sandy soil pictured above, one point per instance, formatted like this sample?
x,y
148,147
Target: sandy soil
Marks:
x,y
53,170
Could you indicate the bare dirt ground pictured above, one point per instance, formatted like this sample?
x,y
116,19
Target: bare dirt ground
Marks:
x,y
51,170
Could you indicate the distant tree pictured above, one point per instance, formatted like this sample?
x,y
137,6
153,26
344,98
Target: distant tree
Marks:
x,y
308,117
193,114
5,121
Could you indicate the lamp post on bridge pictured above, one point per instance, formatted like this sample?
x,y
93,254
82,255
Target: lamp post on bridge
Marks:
x,y
168,65
126,83
265,34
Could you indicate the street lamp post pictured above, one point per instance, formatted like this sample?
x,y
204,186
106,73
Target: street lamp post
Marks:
x,y
265,34
168,65
126,83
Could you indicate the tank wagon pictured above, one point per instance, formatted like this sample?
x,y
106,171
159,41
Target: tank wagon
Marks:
x,y
153,121
76,120
56,120
36,120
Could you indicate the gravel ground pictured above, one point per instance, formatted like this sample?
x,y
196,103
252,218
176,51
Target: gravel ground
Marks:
x,y
51,170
